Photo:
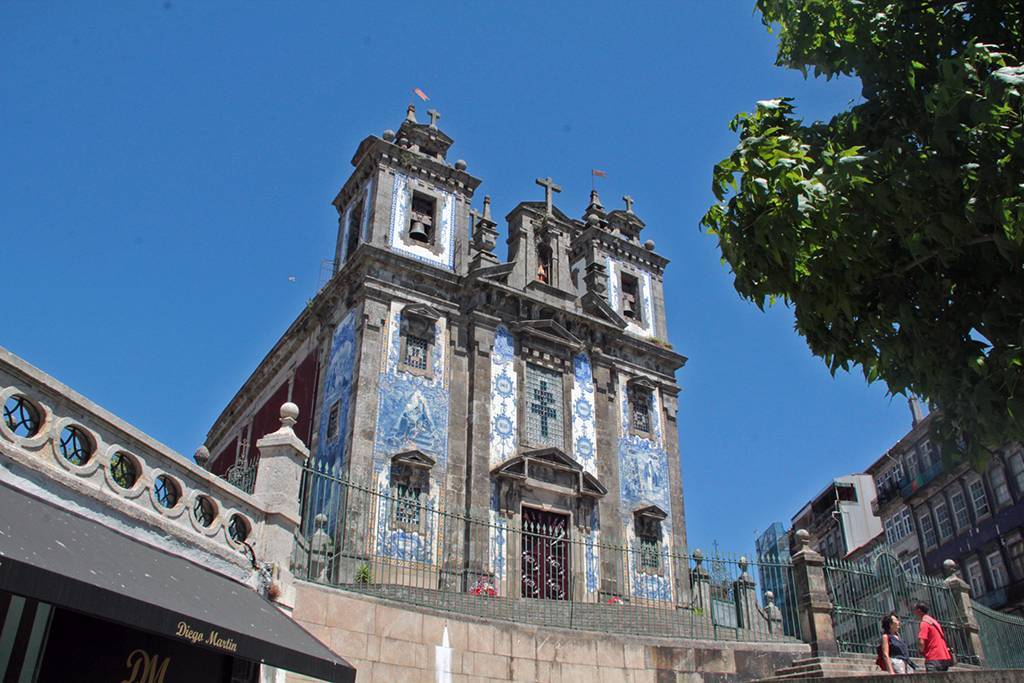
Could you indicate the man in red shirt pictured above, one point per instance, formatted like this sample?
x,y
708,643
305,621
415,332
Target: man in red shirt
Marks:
x,y
932,641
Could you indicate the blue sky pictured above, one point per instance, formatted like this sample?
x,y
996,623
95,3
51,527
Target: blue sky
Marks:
x,y
165,167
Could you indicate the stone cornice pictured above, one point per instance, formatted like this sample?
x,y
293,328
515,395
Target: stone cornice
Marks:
x,y
617,245
373,152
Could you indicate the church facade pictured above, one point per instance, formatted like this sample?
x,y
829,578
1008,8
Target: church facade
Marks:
x,y
538,390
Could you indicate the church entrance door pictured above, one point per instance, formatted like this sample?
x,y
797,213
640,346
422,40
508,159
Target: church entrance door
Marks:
x,y
546,555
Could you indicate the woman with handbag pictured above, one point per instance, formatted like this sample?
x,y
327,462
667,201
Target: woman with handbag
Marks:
x,y
893,653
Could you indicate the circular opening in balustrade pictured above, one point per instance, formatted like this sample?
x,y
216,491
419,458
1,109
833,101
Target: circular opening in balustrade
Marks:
x,y
166,491
123,470
238,529
204,511
75,445
22,416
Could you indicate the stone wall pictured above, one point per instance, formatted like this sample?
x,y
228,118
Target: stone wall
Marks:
x,y
391,643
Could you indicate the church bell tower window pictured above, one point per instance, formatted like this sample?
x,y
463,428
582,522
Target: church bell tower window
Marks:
x,y
422,218
631,307
355,217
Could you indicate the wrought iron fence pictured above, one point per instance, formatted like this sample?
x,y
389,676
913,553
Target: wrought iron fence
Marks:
x,y
536,568
863,593
1002,638
242,475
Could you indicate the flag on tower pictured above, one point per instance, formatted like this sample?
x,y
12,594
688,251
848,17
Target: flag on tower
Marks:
x,y
599,174
422,95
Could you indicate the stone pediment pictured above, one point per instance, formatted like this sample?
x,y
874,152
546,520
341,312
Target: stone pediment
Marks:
x,y
551,466
498,272
414,458
422,311
599,306
548,330
642,383
651,512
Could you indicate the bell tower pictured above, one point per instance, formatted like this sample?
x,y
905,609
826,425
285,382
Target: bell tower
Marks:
x,y
406,197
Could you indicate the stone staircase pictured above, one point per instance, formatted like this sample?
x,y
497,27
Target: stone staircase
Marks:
x,y
829,667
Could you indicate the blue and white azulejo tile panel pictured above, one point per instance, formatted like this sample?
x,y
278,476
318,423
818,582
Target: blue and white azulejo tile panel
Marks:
x,y
337,390
643,481
584,430
412,414
413,409
401,201
504,392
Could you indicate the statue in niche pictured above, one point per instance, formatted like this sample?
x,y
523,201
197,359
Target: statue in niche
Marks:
x,y
544,258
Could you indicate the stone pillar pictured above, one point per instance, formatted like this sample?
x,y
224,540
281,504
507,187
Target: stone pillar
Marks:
x,y
745,591
700,584
813,605
278,479
960,590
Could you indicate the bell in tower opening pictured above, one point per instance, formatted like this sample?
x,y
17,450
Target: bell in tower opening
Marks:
x,y
421,219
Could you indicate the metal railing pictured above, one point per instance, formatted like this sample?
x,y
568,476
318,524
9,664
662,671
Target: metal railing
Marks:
x,y
863,593
533,568
1002,638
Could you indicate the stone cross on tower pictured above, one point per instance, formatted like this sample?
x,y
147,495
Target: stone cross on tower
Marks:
x,y
629,203
549,187
434,116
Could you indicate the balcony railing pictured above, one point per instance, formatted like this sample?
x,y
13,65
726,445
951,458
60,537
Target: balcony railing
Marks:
x,y
922,479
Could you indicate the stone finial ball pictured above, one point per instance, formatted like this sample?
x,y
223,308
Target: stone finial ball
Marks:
x,y
289,411
649,245
460,164
698,554
949,566
769,596
320,520
202,456
389,135
803,537
592,219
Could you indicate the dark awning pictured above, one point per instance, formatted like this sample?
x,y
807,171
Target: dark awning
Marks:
x,y
55,556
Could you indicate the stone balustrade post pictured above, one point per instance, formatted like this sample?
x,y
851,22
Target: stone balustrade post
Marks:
x,y
745,591
278,480
813,604
772,613
700,584
961,593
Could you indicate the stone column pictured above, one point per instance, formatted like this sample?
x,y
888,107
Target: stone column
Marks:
x,y
813,605
960,590
614,561
480,341
278,478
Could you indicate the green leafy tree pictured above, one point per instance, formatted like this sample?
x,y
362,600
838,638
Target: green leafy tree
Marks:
x,y
895,230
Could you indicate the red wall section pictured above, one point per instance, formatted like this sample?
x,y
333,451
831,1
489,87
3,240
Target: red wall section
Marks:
x,y
267,419
225,459
304,395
